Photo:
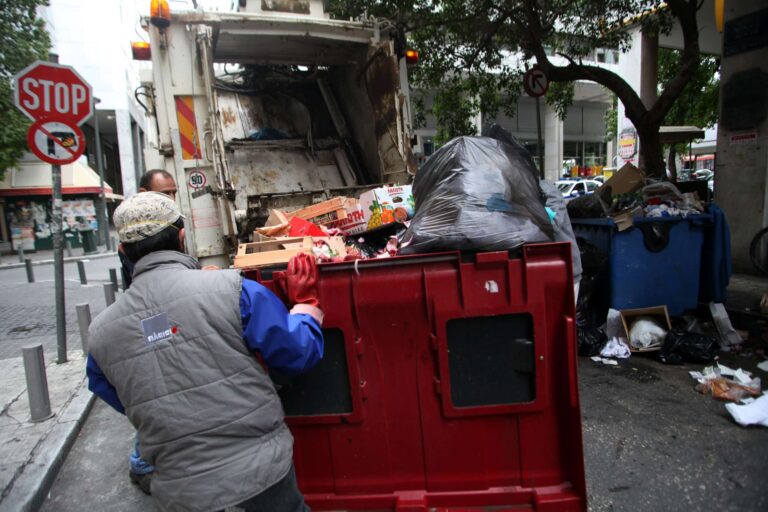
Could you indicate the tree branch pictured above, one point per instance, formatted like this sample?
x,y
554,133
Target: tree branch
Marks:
x,y
685,12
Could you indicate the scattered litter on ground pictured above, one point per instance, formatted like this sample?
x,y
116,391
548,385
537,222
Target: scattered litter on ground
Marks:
x,y
763,366
605,360
715,380
728,335
615,348
753,413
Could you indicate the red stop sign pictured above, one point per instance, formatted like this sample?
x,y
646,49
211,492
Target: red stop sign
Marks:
x,y
46,90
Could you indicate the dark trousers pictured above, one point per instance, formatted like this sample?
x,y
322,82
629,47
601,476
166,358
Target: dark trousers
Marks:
x,y
284,496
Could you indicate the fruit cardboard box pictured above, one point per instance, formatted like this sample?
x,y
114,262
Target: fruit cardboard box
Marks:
x,y
386,205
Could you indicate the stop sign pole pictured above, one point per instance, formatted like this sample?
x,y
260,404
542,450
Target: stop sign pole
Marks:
x,y
58,99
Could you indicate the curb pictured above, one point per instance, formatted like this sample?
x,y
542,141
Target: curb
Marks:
x,y
96,256
32,485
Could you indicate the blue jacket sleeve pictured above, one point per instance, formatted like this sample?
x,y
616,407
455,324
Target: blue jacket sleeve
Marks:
x,y
101,387
290,343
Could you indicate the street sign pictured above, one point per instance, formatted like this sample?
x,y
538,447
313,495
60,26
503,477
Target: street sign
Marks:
x,y
535,82
55,142
197,180
47,90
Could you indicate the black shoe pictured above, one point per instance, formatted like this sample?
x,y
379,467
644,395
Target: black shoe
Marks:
x,y
143,481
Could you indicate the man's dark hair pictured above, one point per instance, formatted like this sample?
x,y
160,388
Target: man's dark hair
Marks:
x,y
166,240
146,179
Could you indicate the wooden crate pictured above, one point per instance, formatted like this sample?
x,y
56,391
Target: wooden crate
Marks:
x,y
322,213
271,252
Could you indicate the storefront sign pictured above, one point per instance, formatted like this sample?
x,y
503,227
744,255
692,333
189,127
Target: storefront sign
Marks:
x,y
628,143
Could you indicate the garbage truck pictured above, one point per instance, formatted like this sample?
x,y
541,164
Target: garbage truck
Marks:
x,y
448,380
273,106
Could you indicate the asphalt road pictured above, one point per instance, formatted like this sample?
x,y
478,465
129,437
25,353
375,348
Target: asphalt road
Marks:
x,y
651,443
28,311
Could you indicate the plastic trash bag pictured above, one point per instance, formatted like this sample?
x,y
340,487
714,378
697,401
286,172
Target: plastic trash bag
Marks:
x,y
683,346
477,194
616,347
591,340
585,207
562,224
644,333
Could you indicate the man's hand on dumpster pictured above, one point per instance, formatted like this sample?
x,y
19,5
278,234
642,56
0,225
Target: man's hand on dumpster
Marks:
x,y
301,281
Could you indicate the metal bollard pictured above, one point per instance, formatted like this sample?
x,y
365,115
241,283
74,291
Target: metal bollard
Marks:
x,y
113,277
30,272
81,271
68,247
109,293
83,322
37,383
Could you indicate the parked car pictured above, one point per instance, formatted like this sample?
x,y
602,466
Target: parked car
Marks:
x,y
600,178
571,189
703,174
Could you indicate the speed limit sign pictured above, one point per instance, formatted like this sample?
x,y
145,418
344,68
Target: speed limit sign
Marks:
x,y
196,180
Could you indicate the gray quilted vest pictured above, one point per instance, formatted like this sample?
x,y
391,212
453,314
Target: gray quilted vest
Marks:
x,y
207,413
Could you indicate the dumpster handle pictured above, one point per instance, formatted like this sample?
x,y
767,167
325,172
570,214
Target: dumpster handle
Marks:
x,y
571,351
656,235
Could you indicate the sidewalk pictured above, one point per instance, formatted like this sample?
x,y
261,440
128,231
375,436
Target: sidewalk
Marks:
x,y
46,257
32,453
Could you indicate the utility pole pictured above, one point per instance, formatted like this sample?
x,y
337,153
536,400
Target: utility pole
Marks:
x,y
103,221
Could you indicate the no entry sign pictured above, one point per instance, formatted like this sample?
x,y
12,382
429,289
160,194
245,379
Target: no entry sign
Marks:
x,y
55,142
44,90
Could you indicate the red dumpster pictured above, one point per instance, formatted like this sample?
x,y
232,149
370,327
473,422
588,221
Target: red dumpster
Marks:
x,y
448,383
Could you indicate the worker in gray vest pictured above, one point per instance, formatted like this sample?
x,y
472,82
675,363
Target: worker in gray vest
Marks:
x,y
155,180
175,353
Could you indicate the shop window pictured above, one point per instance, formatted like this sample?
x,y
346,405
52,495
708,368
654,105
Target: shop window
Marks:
x,y
322,390
491,360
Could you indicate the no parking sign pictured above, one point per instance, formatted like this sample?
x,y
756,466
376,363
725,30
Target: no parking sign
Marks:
x,y
58,99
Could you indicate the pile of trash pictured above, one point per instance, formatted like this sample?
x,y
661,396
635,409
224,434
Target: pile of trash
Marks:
x,y
628,194
339,229
473,194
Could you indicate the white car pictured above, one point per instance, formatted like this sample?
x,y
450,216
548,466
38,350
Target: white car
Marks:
x,y
571,189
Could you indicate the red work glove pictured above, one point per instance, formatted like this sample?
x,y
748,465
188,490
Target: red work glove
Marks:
x,y
301,281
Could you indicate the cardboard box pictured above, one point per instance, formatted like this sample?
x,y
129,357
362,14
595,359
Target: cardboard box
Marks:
x,y
626,180
658,313
386,205
354,221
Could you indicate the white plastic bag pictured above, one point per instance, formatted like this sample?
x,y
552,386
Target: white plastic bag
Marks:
x,y
645,333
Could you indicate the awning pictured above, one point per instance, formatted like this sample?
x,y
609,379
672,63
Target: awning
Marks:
x,y
33,178
677,134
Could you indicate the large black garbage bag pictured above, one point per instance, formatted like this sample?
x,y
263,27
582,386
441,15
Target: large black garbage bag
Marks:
x,y
591,340
684,346
477,194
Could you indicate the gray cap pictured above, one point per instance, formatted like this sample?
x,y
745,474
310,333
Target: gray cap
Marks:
x,y
144,215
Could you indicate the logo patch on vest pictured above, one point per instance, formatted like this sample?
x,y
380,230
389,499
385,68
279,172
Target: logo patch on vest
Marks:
x,y
157,328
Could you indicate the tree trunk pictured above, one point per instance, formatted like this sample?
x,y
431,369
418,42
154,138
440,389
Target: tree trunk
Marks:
x,y
672,162
651,155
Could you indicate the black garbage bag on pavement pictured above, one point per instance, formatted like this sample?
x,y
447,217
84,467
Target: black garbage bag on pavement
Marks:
x,y
477,194
683,346
591,340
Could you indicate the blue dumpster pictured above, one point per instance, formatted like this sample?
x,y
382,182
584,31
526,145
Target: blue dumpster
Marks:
x,y
657,261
